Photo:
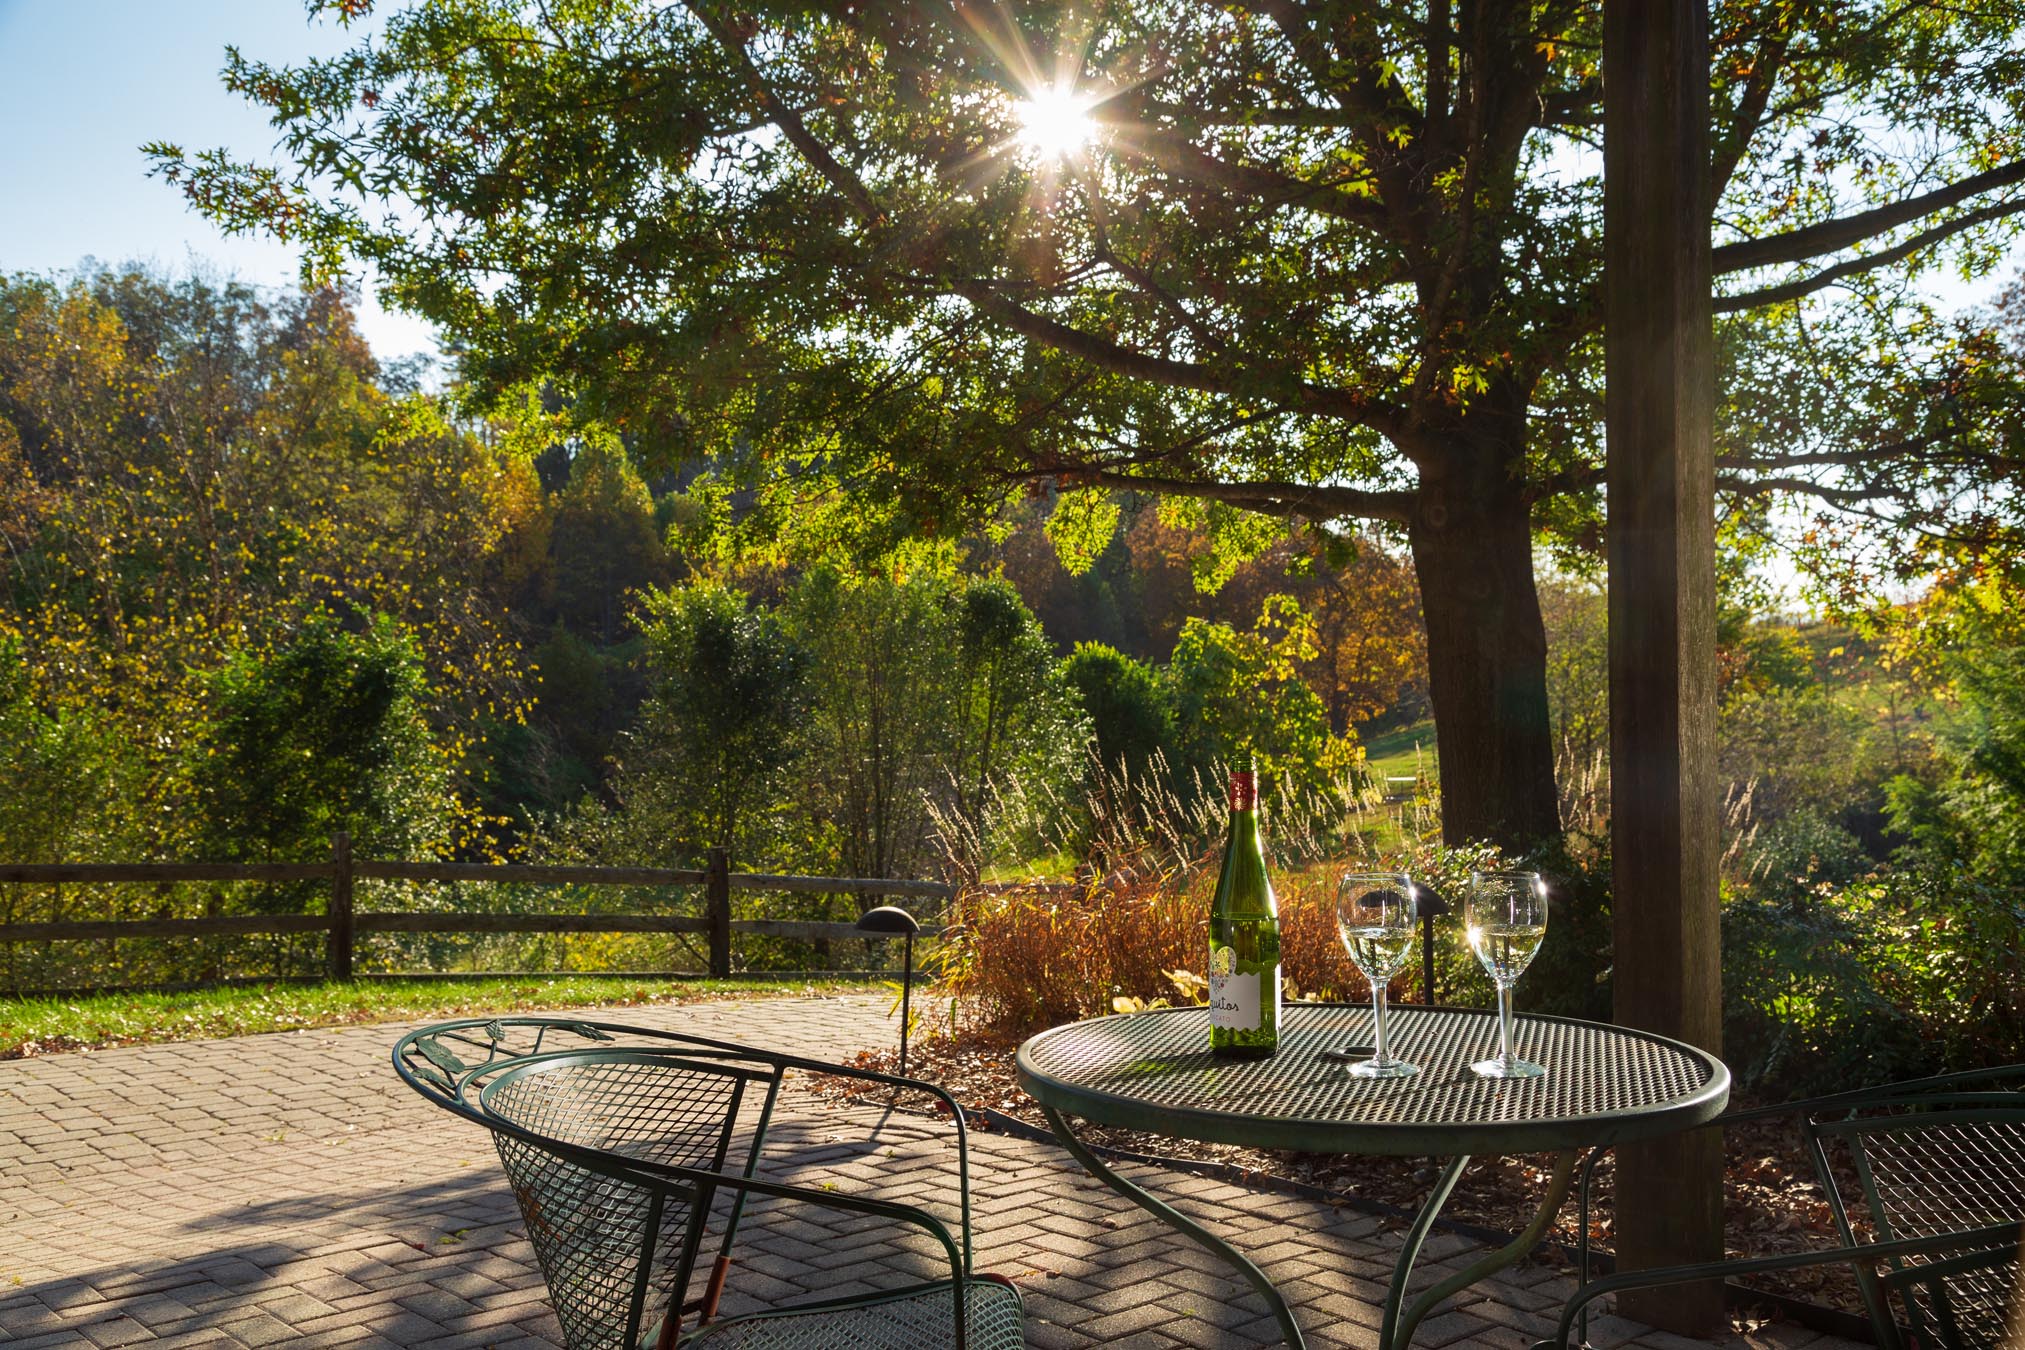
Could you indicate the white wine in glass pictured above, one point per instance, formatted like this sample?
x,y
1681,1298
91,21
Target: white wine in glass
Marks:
x,y
1375,914
1505,919
1506,949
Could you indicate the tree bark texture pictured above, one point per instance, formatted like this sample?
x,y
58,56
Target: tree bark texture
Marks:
x,y
1486,662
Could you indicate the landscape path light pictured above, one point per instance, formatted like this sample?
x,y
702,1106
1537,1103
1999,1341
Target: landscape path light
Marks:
x,y
885,921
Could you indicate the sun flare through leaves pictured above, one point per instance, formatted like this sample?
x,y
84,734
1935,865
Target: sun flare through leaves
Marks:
x,y
1055,123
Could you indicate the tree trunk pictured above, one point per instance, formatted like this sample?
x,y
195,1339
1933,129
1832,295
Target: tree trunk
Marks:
x,y
1486,662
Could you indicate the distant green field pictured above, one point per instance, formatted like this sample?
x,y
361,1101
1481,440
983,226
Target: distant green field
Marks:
x,y
1403,752
40,1026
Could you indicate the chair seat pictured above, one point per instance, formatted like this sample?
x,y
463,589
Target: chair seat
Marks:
x,y
917,1318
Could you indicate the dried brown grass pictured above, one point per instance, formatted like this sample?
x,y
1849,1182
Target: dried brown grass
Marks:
x,y
1029,957
1032,955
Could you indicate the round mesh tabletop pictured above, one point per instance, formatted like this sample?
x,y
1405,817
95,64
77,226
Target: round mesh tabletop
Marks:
x,y
1153,1071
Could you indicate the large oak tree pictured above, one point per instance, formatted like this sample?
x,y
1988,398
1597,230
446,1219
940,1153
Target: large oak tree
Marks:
x,y
1324,261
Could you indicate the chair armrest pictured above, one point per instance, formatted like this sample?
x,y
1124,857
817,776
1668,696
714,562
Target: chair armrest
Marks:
x,y
956,1117
1999,1235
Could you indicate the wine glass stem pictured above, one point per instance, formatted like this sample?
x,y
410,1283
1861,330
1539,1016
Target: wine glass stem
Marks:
x,y
1378,1055
1505,1054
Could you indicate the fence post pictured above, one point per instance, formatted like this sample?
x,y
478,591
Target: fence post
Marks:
x,y
717,910
342,924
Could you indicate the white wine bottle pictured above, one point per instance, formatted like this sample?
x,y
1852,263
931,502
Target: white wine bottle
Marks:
x,y
1244,937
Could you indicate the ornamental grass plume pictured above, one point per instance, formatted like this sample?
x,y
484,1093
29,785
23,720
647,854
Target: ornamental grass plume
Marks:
x,y
1131,930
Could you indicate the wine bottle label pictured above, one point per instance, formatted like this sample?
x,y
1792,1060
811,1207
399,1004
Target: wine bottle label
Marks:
x,y
1234,1001
1244,790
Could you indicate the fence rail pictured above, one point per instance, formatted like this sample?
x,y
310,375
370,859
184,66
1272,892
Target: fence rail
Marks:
x,y
343,923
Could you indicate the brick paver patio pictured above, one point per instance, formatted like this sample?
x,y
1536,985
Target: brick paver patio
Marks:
x,y
287,1190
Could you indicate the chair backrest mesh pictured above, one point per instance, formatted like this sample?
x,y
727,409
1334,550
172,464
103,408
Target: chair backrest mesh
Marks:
x,y
1929,1173
591,1232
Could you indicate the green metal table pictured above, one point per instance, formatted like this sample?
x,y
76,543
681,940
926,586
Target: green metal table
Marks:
x,y
1153,1071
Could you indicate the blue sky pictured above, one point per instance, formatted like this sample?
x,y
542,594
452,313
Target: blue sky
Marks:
x,y
84,83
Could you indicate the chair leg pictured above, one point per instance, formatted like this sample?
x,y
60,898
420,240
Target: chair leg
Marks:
x,y
714,1290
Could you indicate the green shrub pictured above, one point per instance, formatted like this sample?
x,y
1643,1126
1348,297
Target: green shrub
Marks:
x,y
1837,974
325,733
1571,975
1954,955
1129,709
1802,749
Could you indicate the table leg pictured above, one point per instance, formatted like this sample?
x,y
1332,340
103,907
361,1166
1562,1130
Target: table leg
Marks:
x,y
1398,1329
1390,1335
1290,1330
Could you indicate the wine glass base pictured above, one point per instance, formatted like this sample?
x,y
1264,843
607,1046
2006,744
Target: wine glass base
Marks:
x,y
1391,1068
1507,1068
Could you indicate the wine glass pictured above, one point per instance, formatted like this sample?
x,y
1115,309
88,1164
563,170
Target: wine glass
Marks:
x,y
1505,917
1375,915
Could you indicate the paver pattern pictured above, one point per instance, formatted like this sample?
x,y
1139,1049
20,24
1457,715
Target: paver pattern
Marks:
x,y
288,1190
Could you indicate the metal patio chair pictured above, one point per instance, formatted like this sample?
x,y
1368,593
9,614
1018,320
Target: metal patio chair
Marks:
x,y
1940,1169
622,1147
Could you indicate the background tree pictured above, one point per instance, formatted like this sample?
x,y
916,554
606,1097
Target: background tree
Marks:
x,y
1329,263
864,725
196,471
604,545
1577,616
592,546
66,777
1017,724
722,727
1131,711
879,652
1370,653
1238,697
325,733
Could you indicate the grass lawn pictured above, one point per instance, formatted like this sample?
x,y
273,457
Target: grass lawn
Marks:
x,y
40,1026
1393,754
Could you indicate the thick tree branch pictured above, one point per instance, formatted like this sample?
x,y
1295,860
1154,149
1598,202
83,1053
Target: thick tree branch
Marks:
x,y
1184,160
1099,351
1309,398
1806,487
1587,316
1205,336
1435,56
1579,106
1374,94
1759,476
1934,454
1747,116
1832,236
790,123
1576,478
1309,501
1377,97
1814,459
1828,276
1175,114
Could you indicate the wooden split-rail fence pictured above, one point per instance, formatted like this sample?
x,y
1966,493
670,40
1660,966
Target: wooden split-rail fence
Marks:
x,y
343,922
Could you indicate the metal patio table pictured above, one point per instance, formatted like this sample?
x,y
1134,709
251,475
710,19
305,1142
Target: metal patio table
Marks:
x,y
1153,1071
